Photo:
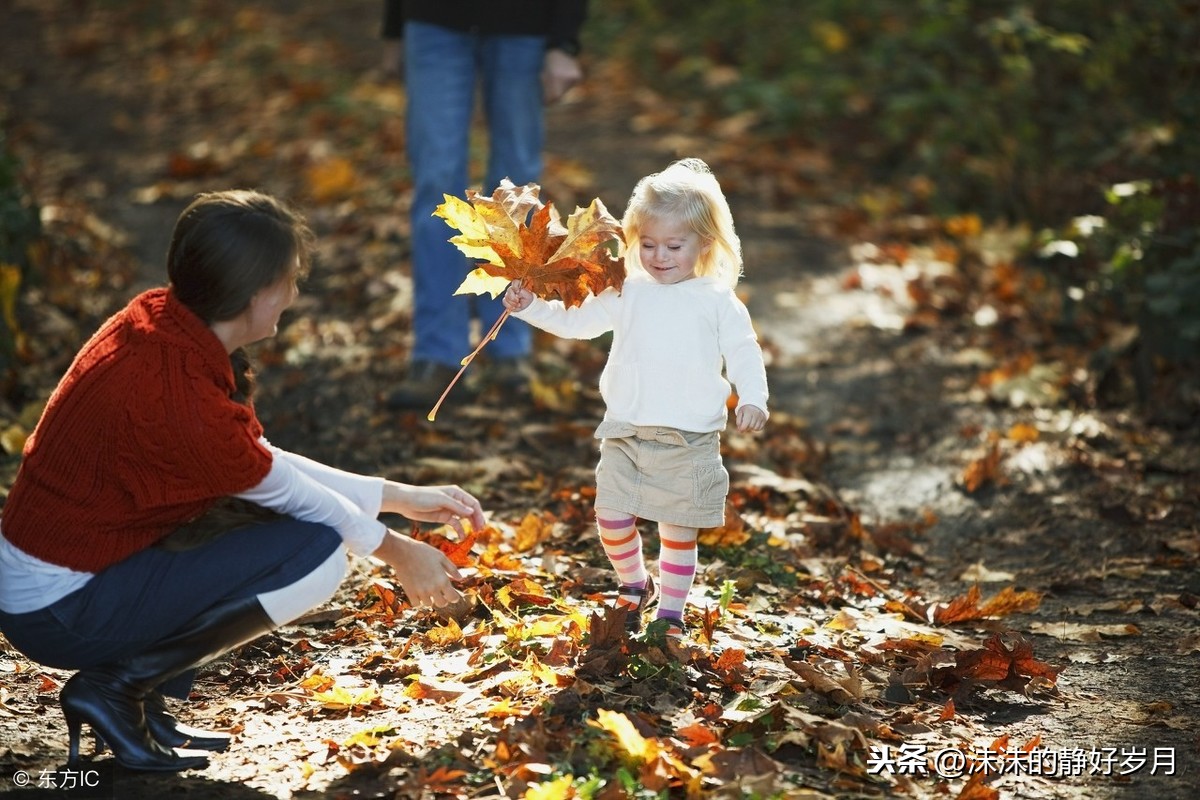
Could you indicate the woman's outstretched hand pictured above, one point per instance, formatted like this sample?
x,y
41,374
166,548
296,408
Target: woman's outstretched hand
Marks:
x,y
448,505
424,573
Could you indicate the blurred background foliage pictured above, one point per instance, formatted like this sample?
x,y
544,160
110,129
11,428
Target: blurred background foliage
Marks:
x,y
20,231
1074,117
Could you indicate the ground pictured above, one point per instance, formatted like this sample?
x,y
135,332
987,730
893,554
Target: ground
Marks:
x,y
894,409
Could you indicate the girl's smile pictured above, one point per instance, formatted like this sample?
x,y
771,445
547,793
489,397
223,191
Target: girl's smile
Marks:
x,y
669,250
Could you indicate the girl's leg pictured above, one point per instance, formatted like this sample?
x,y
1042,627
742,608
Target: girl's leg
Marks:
x,y
623,545
677,570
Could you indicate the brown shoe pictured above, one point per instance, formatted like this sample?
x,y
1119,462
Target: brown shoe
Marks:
x,y
647,594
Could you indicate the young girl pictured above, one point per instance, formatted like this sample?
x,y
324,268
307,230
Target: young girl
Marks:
x,y
675,323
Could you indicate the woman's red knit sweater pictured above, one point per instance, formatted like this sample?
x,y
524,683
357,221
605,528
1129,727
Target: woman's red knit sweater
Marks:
x,y
140,436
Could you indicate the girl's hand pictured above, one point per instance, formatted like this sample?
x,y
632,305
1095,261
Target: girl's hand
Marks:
x,y
517,297
751,419
448,505
424,573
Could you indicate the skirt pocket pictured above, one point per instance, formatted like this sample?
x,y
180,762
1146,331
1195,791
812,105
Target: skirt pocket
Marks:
x,y
710,485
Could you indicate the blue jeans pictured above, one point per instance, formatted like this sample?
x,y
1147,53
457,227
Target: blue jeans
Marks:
x,y
131,605
442,69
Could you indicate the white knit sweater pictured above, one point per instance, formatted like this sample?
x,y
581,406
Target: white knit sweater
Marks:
x,y
670,342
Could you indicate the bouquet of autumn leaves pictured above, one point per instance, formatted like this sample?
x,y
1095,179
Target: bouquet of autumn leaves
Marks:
x,y
515,236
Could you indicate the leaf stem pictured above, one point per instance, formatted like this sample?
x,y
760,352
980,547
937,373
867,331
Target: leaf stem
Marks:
x,y
491,334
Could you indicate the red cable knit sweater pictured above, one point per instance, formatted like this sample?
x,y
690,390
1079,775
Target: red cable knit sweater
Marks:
x,y
139,437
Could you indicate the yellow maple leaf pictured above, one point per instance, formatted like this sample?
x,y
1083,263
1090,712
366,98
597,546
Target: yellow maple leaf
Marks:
x,y
561,788
340,698
542,673
505,708
532,531
637,747
444,635
515,236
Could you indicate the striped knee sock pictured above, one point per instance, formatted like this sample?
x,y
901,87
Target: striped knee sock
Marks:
x,y
676,568
623,546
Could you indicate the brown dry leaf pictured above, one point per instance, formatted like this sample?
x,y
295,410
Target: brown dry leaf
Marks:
x,y
525,592
963,607
967,607
1077,632
1011,601
975,789
331,180
983,471
996,662
847,689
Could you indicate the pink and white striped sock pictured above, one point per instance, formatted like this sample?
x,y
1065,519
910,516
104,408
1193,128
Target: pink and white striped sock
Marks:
x,y
623,545
676,568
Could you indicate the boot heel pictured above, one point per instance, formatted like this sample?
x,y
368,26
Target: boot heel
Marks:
x,y
74,726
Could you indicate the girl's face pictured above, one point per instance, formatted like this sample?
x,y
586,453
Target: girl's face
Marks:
x,y
669,250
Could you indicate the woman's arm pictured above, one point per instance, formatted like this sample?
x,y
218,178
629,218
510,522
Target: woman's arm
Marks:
x,y
365,491
290,491
425,574
448,505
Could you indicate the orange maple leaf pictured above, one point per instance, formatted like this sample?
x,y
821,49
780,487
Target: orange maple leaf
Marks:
x,y
515,236
697,734
967,607
997,662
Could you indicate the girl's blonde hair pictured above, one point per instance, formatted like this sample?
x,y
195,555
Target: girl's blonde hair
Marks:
x,y
688,192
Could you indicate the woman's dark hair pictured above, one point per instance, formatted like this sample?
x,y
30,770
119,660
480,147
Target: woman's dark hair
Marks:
x,y
226,247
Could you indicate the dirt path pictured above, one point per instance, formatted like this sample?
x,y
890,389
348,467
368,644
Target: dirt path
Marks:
x,y
1095,514
901,417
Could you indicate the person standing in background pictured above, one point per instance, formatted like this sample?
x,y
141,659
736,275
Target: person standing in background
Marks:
x,y
522,55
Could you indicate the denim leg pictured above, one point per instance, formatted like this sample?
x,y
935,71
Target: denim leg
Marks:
x,y
512,102
440,78
147,597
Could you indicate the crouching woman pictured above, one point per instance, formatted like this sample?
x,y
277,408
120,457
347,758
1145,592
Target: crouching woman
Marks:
x,y
126,552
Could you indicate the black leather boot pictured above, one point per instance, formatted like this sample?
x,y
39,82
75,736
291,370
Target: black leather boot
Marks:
x,y
169,731
112,699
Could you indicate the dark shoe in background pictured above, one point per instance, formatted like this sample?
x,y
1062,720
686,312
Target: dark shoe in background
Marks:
x,y
422,387
511,376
